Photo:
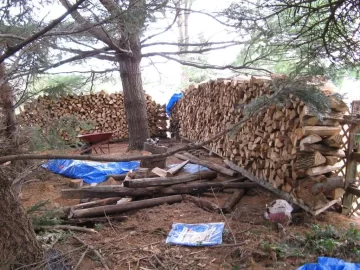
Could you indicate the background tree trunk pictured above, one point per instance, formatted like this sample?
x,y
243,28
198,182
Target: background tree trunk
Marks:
x,y
134,98
18,245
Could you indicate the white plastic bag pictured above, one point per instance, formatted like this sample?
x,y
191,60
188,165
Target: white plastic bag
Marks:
x,y
279,211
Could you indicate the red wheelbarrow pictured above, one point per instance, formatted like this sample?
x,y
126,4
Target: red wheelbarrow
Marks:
x,y
93,141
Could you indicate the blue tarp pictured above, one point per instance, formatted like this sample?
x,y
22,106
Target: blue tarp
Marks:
x,y
89,171
326,263
172,101
207,234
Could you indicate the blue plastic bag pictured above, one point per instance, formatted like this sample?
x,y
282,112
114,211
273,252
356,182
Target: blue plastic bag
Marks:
x,y
191,168
207,234
327,263
172,101
89,171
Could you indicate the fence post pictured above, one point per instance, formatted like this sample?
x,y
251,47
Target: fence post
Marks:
x,y
351,165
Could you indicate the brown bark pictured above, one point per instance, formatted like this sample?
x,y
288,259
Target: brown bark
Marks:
x,y
134,101
121,208
166,181
233,200
7,104
18,245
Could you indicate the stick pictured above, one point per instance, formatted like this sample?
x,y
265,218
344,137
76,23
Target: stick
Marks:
x,y
94,220
97,253
96,203
204,204
68,227
81,258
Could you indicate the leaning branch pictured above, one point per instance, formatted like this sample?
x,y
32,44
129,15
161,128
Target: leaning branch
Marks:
x,y
207,66
12,50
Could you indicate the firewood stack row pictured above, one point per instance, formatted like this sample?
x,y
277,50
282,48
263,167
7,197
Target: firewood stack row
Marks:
x,y
286,146
105,111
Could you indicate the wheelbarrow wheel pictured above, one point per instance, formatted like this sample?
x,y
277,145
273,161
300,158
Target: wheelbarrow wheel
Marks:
x,y
86,146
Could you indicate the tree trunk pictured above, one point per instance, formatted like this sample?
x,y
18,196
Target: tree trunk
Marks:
x,y
7,106
134,100
18,245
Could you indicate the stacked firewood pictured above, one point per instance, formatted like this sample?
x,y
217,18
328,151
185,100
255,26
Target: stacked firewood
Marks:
x,y
286,146
105,112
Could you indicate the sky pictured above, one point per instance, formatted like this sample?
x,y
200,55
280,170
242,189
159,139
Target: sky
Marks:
x,y
163,80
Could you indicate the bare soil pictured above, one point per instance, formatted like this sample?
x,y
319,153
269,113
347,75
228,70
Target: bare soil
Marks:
x,y
139,242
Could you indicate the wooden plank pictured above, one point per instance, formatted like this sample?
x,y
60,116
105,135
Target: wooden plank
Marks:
x,y
210,165
160,172
174,170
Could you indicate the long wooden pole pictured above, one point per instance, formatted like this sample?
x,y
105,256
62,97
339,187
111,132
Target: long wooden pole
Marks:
x,y
116,191
165,181
121,208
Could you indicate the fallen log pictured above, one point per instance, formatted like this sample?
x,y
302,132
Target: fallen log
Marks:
x,y
210,165
233,200
116,191
93,220
96,203
165,181
121,208
202,203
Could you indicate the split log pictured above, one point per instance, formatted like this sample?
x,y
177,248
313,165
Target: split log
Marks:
x,y
116,191
165,181
177,168
322,131
202,203
308,160
334,141
210,165
329,185
330,160
322,169
324,150
121,208
76,183
233,200
312,138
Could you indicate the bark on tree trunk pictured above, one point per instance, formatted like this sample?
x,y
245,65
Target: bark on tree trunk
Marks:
x,y
7,104
134,101
18,245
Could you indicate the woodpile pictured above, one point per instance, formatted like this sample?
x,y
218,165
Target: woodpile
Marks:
x,y
133,191
105,111
287,146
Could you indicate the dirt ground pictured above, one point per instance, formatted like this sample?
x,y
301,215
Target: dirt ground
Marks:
x,y
139,242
